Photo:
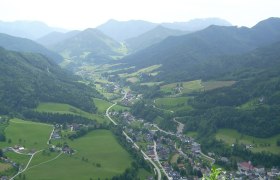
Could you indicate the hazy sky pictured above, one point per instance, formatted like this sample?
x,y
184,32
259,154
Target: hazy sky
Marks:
x,y
80,14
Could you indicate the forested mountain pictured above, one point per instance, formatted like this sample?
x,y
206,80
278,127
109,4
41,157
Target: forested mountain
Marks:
x,y
186,57
252,105
90,44
26,45
27,29
196,24
55,37
151,37
122,30
27,79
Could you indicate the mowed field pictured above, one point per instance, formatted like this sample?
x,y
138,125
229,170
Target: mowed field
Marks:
x,y
28,134
98,155
196,85
171,102
103,105
230,136
68,109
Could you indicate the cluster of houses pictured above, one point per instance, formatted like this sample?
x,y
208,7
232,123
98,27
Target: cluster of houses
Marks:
x,y
129,99
247,171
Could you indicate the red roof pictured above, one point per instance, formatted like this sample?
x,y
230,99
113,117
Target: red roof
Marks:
x,y
246,165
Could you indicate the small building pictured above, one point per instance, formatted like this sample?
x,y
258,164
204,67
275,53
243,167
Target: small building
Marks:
x,y
245,166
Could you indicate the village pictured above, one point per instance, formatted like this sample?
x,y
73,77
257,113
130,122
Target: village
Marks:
x,y
179,156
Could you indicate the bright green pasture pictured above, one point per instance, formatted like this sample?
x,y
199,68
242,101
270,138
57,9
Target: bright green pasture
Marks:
x,y
230,136
98,155
67,109
28,134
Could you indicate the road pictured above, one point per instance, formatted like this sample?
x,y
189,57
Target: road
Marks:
x,y
134,144
157,159
170,133
180,126
21,171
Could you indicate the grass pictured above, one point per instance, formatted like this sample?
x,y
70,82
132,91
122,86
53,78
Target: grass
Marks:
x,y
188,87
169,102
230,136
143,174
18,158
192,134
151,83
210,85
67,109
28,134
4,166
97,147
103,105
197,85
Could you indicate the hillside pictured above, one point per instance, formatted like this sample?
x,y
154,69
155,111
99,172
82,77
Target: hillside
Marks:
x,y
26,45
196,24
191,54
27,29
90,45
55,37
27,79
254,101
151,37
122,30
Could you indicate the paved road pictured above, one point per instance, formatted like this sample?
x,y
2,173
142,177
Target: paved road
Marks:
x,y
134,144
157,159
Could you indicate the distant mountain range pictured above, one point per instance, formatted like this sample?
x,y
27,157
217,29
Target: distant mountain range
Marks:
x,y
27,29
26,45
151,37
123,30
188,56
56,37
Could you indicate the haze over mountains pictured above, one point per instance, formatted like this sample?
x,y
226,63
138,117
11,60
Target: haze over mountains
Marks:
x,y
122,30
196,50
27,29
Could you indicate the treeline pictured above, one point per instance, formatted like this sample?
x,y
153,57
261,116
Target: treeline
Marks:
x,y
138,160
53,118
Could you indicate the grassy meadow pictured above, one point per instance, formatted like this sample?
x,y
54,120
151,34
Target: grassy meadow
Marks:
x,y
98,155
28,134
68,109
230,136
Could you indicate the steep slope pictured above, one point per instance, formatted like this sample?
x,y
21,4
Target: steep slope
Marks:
x,y
27,79
196,24
26,45
254,101
186,57
121,30
55,37
151,37
27,29
90,45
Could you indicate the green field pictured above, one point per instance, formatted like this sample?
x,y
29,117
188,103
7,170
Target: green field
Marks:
x,y
4,167
210,85
196,85
103,105
67,109
188,87
230,136
96,148
170,102
28,134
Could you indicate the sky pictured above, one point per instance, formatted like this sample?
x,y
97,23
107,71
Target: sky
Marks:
x,y
81,14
